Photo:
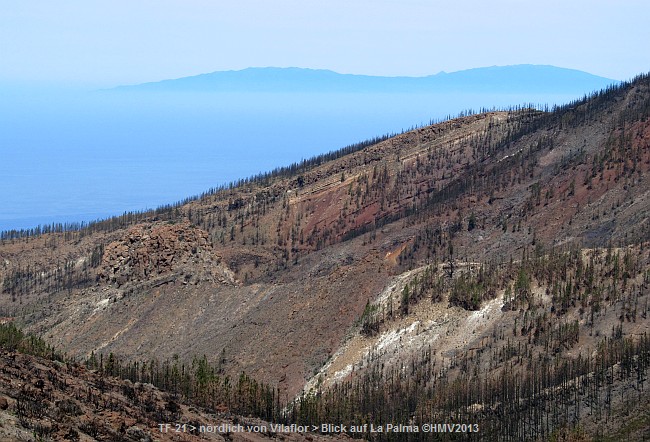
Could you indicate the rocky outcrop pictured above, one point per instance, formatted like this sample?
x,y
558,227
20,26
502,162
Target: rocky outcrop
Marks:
x,y
153,251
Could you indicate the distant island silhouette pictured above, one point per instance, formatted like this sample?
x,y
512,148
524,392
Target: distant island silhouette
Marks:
x,y
497,79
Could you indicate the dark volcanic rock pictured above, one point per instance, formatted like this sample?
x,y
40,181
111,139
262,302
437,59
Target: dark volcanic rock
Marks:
x,y
149,251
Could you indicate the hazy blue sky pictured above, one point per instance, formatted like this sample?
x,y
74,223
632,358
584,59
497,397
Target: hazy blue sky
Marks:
x,y
103,43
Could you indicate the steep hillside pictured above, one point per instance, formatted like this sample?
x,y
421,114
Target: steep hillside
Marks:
x,y
42,399
498,239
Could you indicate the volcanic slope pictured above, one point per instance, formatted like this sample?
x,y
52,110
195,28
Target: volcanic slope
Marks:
x,y
45,399
279,275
